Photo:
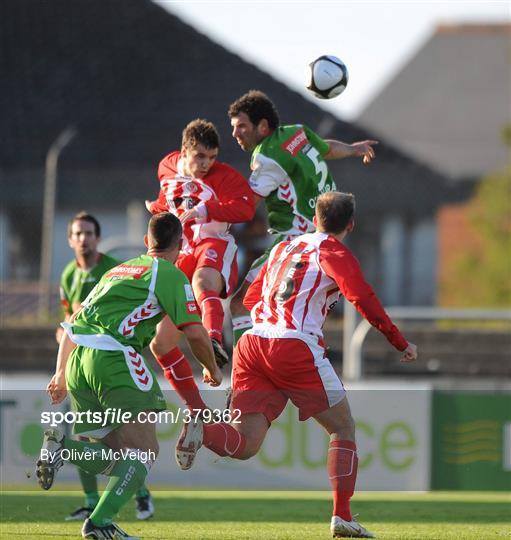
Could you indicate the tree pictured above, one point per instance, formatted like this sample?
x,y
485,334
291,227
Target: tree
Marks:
x,y
480,274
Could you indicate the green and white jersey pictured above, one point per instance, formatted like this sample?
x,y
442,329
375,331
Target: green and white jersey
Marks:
x,y
129,301
289,171
76,283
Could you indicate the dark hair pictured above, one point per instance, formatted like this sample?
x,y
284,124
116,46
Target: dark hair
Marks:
x,y
334,211
84,216
164,231
257,106
200,131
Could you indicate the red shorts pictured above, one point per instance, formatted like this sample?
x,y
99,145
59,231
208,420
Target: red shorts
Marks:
x,y
267,372
213,253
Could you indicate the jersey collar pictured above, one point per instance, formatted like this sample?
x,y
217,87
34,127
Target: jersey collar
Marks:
x,y
98,258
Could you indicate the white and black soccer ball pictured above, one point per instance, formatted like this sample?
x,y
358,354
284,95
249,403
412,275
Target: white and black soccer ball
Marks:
x,y
328,77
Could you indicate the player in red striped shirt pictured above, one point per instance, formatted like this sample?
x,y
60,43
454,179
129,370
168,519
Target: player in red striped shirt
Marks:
x,y
283,356
207,196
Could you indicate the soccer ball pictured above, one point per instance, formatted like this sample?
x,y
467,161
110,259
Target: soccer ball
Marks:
x,y
328,77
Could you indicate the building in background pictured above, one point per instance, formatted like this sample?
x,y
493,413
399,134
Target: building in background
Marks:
x,y
449,107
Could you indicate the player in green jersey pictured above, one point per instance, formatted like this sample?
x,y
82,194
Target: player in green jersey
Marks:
x,y
78,279
288,171
100,363
85,270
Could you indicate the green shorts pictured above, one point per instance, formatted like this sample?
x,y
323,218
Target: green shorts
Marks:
x,y
117,381
259,262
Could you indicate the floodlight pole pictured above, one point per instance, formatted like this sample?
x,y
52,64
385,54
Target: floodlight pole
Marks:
x,y
50,188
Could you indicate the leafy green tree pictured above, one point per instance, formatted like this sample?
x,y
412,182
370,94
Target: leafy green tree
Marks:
x,y
481,275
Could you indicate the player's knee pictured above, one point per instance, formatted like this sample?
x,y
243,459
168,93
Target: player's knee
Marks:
x,y
199,285
207,279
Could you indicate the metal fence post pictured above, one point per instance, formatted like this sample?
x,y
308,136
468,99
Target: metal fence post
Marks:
x,y
50,189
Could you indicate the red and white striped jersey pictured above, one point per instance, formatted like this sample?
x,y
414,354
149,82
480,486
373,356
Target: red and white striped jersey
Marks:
x,y
302,281
223,194
183,193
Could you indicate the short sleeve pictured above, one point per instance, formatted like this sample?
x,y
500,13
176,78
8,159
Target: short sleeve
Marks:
x,y
64,300
176,298
321,146
64,290
267,175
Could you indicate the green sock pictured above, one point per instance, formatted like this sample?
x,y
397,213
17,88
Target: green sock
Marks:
x,y
89,456
239,326
90,487
142,492
126,477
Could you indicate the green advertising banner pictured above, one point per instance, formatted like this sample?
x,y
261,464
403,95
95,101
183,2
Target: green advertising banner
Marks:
x,y
471,440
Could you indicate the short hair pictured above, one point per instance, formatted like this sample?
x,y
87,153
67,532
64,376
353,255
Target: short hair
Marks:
x,y
257,106
84,216
164,231
334,211
200,131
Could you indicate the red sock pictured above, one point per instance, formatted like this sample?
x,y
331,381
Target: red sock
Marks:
x,y
224,440
342,464
212,311
178,372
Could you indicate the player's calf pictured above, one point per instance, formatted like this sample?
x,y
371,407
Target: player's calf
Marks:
x,y
178,372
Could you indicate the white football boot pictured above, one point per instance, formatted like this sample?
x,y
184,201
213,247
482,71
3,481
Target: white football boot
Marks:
x,y
189,443
341,528
50,457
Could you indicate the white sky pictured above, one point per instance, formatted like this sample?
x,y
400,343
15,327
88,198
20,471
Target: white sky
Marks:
x,y
374,38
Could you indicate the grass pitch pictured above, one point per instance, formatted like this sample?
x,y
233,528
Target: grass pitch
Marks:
x,y
258,515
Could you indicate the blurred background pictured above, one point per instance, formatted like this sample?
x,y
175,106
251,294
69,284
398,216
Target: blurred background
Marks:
x,y
94,93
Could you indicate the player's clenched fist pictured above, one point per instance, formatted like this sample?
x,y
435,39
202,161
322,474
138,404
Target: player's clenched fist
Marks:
x,y
410,353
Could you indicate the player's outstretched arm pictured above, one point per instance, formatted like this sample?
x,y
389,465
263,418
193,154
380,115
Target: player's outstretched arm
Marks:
x,y
200,344
346,272
340,150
